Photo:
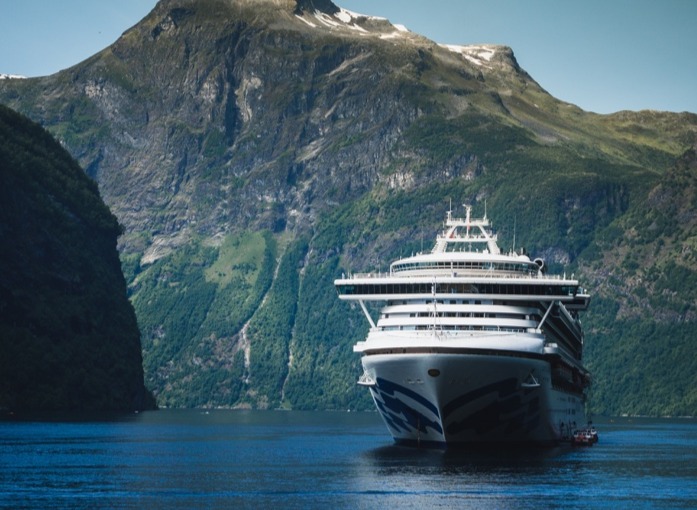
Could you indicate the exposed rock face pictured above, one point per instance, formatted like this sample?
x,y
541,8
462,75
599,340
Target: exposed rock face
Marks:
x,y
68,335
253,150
203,98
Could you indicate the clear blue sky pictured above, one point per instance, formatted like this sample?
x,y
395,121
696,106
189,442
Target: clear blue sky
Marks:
x,y
602,55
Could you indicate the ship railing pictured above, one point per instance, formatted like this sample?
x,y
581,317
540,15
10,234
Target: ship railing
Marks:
x,y
355,276
443,274
457,330
471,238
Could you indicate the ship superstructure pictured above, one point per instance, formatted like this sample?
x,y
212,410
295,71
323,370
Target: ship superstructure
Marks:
x,y
472,345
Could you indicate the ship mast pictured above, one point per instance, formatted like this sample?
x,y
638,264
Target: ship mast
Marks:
x,y
468,209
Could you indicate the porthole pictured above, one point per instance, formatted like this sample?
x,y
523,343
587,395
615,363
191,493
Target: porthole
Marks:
x,y
433,372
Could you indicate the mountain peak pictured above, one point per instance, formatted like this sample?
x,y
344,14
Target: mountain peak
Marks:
x,y
325,6
325,15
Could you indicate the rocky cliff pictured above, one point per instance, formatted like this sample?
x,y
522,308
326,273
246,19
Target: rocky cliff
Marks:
x,y
68,335
255,150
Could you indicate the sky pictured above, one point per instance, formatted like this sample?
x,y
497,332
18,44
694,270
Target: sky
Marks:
x,y
601,55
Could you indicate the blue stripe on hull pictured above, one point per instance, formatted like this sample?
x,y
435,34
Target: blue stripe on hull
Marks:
x,y
510,414
510,410
400,416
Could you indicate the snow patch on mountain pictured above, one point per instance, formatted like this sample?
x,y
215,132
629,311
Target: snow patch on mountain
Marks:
x,y
359,23
341,19
480,55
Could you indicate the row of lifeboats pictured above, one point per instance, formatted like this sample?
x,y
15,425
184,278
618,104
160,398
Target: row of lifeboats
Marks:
x,y
584,437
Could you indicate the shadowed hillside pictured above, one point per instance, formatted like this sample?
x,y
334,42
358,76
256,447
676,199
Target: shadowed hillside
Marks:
x,y
68,335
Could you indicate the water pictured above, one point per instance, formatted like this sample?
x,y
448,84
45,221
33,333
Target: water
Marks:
x,y
251,459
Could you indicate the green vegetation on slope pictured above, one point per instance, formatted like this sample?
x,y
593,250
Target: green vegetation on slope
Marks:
x,y
271,330
68,335
191,306
324,368
641,366
641,329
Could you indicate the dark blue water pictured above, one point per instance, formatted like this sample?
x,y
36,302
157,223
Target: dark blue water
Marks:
x,y
242,459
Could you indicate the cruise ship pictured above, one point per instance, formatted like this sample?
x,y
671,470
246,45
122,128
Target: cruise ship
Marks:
x,y
472,345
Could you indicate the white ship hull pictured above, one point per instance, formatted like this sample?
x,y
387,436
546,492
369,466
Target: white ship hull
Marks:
x,y
445,399
473,346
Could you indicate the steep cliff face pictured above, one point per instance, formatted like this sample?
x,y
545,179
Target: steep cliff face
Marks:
x,y
68,335
253,150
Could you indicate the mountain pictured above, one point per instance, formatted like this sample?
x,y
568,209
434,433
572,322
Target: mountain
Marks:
x,y
642,327
68,334
255,150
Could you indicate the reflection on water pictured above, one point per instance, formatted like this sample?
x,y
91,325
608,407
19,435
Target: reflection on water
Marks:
x,y
476,478
191,459
385,456
638,464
